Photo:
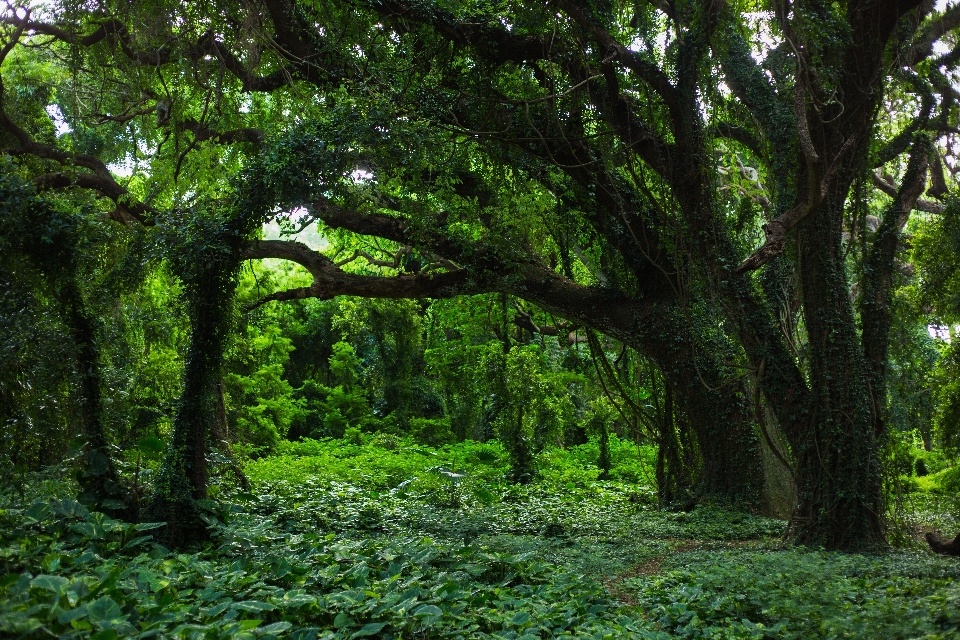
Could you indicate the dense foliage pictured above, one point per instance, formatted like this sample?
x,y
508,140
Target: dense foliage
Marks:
x,y
383,542
446,318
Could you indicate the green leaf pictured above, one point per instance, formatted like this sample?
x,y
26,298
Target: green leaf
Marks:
x,y
148,526
254,605
216,610
73,614
342,620
38,511
520,618
106,634
110,503
8,580
369,629
428,610
280,568
69,508
276,627
108,581
87,530
136,541
51,583
51,562
297,599
103,610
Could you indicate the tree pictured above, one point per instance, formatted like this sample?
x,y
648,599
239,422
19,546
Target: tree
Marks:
x,y
51,241
611,164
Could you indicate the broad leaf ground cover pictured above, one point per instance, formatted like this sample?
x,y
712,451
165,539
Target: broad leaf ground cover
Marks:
x,y
388,539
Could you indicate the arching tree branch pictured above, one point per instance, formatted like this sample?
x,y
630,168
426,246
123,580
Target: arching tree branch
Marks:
x,y
329,280
917,203
776,230
922,47
100,180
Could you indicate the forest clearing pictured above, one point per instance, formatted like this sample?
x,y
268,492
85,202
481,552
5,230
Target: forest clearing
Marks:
x,y
472,319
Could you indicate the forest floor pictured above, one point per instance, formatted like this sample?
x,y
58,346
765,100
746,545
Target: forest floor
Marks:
x,y
388,539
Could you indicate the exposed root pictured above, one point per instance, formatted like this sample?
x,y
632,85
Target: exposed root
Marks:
x,y
942,545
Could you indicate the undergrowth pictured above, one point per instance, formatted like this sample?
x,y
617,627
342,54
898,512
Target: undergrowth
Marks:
x,y
387,539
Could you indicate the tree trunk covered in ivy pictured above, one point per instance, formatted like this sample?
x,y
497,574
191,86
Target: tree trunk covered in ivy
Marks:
x,y
838,470
678,457
206,253
183,475
715,410
604,462
673,464
51,240
99,485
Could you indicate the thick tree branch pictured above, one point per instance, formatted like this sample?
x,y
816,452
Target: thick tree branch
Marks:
x,y
103,185
329,280
878,278
800,112
916,203
632,131
902,140
108,29
100,180
491,42
877,21
483,270
249,81
935,29
753,89
938,183
738,134
202,132
207,45
15,39
399,231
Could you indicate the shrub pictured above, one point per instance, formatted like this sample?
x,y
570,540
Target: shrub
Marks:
x,y
432,431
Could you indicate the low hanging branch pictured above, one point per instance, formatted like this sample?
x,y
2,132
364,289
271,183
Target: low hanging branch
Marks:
x,y
478,269
329,280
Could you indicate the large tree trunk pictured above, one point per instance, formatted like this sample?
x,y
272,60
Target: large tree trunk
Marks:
x,y
182,479
715,406
99,484
838,471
